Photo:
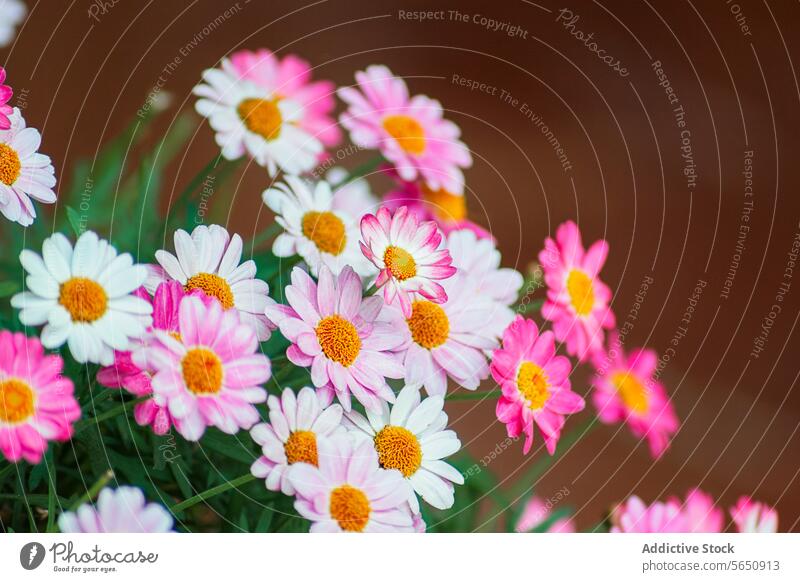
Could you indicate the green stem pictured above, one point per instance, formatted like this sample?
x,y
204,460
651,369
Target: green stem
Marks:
x,y
94,490
360,171
473,395
6,470
121,409
209,493
371,291
52,493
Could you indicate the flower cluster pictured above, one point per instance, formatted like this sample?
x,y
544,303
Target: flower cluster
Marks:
x,y
337,372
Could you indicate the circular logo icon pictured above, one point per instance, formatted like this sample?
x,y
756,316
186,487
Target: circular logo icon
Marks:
x,y
31,555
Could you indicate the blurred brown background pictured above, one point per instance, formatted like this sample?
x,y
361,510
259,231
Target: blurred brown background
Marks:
x,y
82,69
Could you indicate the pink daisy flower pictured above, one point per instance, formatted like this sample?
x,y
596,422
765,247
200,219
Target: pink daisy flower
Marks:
x,y
5,96
290,78
626,390
408,255
577,301
634,516
124,373
36,402
410,132
536,512
124,510
702,514
349,492
338,334
754,516
448,210
535,384
212,375
295,424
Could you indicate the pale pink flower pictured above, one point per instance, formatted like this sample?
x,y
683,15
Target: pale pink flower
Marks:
x,y
702,514
349,491
577,300
754,516
338,334
291,436
633,516
535,384
410,132
626,389
536,512
210,374
37,404
124,510
408,254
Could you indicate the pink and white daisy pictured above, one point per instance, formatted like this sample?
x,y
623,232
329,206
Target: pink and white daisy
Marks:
x,y
634,516
209,260
5,96
121,510
448,340
535,384
349,492
295,425
249,119
124,373
12,14
411,437
626,389
290,78
211,373
313,229
577,300
24,172
410,132
408,255
36,402
754,516
537,512
338,334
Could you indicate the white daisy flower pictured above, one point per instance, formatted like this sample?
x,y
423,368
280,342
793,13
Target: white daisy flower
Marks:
x,y
290,437
12,13
249,121
208,260
83,297
24,172
316,231
411,438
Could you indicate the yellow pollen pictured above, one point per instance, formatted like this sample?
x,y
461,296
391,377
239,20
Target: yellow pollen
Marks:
x,y
399,449
407,132
632,392
400,263
350,507
84,299
581,291
262,117
326,230
338,339
532,384
202,371
446,206
301,447
428,324
10,165
175,335
16,401
212,286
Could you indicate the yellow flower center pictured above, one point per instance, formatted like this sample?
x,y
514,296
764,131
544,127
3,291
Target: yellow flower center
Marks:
x,y
581,291
262,117
399,449
338,339
10,165
16,401
326,230
84,299
400,263
407,132
301,447
632,392
532,384
446,206
428,324
202,371
212,286
350,507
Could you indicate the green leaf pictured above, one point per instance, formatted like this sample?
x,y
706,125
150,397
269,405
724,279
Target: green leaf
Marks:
x,y
8,288
75,220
